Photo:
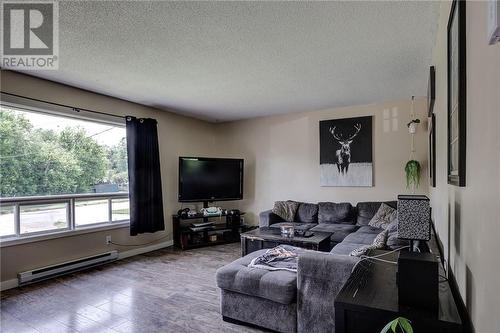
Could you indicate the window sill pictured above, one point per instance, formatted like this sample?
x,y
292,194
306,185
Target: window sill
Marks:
x,y
6,242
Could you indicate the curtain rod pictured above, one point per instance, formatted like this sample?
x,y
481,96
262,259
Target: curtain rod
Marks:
x,y
66,106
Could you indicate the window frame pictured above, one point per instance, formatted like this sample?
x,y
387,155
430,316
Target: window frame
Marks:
x,y
70,201
17,216
35,106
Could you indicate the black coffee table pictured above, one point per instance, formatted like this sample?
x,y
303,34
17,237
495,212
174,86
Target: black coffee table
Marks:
x,y
267,238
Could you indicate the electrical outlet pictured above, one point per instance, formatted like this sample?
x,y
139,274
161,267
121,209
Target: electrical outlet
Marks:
x,y
108,239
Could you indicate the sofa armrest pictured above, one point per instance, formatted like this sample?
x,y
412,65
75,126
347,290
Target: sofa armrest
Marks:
x,y
320,276
266,218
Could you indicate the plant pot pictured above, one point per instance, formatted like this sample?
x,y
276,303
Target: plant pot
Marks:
x,y
412,128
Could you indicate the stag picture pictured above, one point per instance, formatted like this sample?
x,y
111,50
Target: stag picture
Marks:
x,y
346,152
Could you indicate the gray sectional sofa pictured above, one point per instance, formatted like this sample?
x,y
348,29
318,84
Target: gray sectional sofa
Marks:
x,y
304,301
348,224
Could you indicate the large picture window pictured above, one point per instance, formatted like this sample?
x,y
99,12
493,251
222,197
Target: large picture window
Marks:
x,y
60,173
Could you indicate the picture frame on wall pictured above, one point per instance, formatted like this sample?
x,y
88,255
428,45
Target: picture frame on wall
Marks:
x,y
431,90
457,94
432,150
346,152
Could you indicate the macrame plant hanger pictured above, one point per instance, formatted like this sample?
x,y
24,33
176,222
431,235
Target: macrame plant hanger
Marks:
x,y
412,116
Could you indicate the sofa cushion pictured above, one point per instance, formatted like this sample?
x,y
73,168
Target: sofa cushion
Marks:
x,y
383,217
366,210
393,226
278,286
393,242
339,236
378,243
345,248
339,231
307,213
296,225
331,212
369,230
360,238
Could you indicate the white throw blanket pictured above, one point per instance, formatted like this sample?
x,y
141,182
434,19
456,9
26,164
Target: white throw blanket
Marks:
x,y
282,257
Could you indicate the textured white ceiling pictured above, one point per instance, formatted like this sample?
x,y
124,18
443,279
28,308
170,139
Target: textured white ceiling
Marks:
x,y
233,60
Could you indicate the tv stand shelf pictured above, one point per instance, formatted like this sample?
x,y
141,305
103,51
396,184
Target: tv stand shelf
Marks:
x,y
201,216
221,232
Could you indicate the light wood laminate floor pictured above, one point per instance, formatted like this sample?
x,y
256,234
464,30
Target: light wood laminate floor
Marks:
x,y
161,291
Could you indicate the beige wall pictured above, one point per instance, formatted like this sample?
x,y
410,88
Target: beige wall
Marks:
x,y
177,136
281,161
472,213
282,156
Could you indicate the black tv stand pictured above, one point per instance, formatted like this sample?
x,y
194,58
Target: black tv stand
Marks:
x,y
205,205
185,238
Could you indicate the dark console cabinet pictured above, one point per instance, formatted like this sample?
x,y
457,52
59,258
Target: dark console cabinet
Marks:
x,y
369,300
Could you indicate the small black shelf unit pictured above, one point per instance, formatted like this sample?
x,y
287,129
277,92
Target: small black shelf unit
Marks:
x,y
185,238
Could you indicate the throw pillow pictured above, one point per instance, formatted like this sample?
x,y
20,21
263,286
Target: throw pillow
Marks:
x,y
378,243
393,226
286,209
360,251
383,217
393,242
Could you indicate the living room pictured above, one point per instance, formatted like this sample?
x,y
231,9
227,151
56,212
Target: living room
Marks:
x,y
324,103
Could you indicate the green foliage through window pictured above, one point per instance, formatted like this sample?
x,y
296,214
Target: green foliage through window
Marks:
x,y
38,161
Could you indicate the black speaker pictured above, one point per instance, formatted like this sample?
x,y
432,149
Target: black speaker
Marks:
x,y
418,279
233,218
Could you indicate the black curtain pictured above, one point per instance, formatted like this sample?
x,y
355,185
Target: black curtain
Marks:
x,y
146,203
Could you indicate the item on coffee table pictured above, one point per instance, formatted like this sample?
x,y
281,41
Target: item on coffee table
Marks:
x,y
287,230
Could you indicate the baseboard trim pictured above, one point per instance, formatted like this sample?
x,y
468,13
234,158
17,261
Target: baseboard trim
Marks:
x,y
14,283
146,249
8,284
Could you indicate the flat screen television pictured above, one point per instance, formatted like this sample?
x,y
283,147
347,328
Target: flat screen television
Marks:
x,y
204,179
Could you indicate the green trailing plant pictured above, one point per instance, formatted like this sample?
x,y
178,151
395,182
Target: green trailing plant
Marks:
x,y
413,171
398,325
413,121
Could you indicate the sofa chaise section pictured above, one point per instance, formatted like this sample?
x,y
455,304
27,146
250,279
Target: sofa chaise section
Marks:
x,y
258,296
277,299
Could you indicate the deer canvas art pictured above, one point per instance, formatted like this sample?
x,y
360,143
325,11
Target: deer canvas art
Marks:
x,y
346,152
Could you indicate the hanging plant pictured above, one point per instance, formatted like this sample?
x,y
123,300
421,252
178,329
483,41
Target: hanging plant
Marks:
x,y
416,121
412,125
413,172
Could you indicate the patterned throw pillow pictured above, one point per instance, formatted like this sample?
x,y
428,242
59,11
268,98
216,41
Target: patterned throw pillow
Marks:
x,y
383,217
378,243
360,251
286,209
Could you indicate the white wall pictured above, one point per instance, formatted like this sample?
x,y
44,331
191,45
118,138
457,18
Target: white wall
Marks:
x,y
282,155
472,213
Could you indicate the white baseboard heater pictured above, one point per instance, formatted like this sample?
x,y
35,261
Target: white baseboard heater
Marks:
x,y
65,267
